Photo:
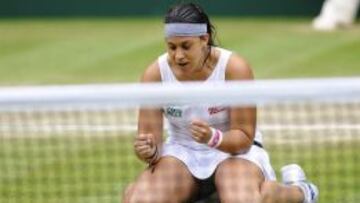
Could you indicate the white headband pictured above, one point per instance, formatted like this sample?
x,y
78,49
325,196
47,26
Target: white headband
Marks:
x,y
185,29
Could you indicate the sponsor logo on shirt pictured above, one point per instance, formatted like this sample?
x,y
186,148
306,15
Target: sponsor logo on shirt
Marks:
x,y
174,112
216,109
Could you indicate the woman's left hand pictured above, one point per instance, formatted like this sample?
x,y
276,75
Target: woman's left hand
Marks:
x,y
201,131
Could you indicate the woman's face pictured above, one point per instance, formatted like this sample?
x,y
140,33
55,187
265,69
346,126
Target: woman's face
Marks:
x,y
187,53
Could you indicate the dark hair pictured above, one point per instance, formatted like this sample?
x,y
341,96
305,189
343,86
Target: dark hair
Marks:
x,y
190,13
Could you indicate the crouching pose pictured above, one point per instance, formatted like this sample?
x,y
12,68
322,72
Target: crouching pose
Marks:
x,y
210,148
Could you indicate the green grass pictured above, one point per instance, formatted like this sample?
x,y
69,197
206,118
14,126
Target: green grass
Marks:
x,y
61,51
80,169
331,165
96,169
70,169
79,51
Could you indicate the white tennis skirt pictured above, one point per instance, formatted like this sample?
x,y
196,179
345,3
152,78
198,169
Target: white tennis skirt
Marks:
x,y
202,163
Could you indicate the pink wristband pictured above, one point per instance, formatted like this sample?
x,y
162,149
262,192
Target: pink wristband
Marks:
x,y
216,138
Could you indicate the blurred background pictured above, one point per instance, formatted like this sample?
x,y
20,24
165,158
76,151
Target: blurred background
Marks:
x,y
43,42
113,41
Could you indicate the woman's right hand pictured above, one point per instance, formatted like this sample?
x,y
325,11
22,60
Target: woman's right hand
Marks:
x,y
145,148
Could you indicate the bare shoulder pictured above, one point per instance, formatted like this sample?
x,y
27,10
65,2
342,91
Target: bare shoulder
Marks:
x,y
152,73
238,69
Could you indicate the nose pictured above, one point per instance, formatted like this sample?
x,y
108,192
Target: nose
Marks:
x,y
179,55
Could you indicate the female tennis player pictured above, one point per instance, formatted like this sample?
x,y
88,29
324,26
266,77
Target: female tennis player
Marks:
x,y
210,148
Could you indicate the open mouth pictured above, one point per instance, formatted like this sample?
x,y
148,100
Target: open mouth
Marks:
x,y
182,64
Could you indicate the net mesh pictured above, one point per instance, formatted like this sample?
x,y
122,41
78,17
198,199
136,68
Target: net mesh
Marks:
x,y
85,154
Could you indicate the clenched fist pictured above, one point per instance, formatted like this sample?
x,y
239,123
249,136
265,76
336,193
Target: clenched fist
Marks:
x,y
145,148
201,131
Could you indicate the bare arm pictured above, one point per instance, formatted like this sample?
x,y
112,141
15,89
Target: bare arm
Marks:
x,y
150,121
241,135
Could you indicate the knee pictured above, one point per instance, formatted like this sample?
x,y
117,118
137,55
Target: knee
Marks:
x,y
137,194
250,197
268,192
241,197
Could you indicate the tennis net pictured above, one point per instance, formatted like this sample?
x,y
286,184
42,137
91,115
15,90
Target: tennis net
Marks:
x,y
74,143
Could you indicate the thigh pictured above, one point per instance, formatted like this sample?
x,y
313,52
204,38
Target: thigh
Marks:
x,y
238,180
168,181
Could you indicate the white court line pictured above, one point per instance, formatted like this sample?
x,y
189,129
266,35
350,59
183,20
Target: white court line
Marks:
x,y
133,128
13,130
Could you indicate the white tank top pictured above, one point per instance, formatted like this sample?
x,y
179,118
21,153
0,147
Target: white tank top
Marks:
x,y
180,117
